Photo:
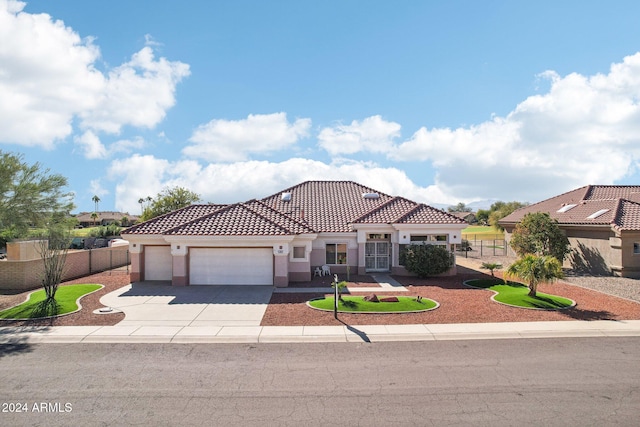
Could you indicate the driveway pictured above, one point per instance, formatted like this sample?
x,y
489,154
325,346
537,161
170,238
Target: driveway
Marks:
x,y
160,304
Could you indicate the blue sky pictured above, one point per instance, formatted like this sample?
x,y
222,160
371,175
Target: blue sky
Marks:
x,y
440,102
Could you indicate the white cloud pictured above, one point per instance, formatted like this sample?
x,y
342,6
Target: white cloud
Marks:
x,y
372,134
127,145
137,93
48,78
140,176
584,130
235,140
91,146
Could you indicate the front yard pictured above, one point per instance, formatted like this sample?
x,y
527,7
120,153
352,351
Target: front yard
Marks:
x,y
458,303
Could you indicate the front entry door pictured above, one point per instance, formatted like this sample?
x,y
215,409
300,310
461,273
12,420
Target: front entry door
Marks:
x,y
376,256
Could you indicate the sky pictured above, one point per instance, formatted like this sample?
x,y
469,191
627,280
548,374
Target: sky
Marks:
x,y
439,102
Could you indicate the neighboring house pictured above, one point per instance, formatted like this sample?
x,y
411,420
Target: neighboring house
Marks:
x,y
602,223
105,218
468,217
284,237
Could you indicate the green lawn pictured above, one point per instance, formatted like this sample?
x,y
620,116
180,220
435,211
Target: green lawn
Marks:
x,y
515,294
356,304
66,298
481,232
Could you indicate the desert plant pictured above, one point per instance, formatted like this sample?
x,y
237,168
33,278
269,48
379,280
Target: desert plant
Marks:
x,y
535,269
491,266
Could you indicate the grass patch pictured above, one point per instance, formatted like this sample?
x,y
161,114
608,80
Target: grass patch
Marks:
x,y
357,304
482,232
515,294
36,306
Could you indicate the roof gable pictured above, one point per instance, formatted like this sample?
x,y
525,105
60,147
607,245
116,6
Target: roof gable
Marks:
x,y
327,206
252,218
170,220
399,210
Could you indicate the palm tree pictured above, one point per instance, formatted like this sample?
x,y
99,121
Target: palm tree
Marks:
x,y
94,216
491,266
536,269
141,201
95,199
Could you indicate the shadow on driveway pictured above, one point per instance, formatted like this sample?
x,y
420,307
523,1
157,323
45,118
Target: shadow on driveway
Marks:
x,y
209,294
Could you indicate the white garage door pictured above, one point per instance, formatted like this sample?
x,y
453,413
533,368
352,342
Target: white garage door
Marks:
x,y
158,263
231,266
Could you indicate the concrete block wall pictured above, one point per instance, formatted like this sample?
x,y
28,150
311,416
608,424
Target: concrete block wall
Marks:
x,y
27,275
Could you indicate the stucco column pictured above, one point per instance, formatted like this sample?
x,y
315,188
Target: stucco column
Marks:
x,y
281,265
137,262
180,265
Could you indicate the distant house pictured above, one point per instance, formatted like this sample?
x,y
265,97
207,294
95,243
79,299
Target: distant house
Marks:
x,y
85,219
287,237
468,217
602,223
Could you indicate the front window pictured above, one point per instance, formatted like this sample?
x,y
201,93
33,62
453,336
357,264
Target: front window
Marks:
x,y
298,252
636,248
336,253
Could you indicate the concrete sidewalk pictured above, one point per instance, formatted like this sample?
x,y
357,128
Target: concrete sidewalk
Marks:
x,y
301,334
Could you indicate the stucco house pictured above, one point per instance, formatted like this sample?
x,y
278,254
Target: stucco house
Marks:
x,y
85,219
285,237
602,223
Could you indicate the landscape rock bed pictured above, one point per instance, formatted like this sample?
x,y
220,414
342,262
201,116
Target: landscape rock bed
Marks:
x,y
85,317
458,304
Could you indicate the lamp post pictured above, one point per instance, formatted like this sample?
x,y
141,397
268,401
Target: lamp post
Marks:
x,y
335,298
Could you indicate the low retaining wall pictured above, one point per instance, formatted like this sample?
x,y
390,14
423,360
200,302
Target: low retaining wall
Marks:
x,y
26,275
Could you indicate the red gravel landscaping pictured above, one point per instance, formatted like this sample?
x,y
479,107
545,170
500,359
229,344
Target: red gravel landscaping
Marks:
x,y
458,304
85,317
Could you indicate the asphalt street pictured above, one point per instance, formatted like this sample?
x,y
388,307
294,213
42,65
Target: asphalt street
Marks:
x,y
559,381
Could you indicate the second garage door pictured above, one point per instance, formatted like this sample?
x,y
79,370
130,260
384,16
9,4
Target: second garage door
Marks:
x,y
233,266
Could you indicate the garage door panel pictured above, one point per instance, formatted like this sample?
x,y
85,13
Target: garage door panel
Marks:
x,y
158,263
231,266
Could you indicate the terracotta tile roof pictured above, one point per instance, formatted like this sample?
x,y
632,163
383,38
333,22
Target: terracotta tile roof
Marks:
x,y
628,217
388,213
309,207
399,210
252,218
327,206
168,221
425,214
604,205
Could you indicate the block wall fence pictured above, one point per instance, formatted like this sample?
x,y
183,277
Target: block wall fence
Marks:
x,y
26,275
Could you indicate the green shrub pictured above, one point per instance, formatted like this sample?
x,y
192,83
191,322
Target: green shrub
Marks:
x,y
106,231
427,260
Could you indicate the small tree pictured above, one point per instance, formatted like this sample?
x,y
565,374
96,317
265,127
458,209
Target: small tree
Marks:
x,y
501,209
169,200
539,234
460,207
53,247
491,266
29,196
427,260
534,270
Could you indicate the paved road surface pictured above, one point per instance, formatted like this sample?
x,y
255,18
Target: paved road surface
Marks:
x,y
542,382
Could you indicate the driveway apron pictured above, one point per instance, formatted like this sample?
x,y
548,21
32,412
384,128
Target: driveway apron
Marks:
x,y
160,304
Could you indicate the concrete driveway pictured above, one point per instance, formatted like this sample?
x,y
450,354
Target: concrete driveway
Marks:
x,y
160,304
